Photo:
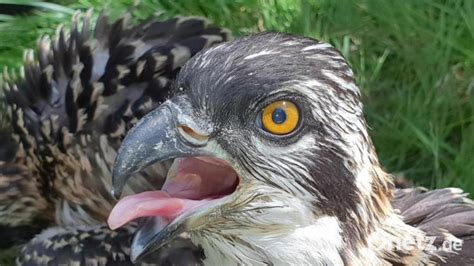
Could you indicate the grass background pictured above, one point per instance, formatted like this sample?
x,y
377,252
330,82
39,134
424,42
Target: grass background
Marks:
x,y
414,62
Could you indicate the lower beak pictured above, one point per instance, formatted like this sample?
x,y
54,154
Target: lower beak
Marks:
x,y
177,249
152,236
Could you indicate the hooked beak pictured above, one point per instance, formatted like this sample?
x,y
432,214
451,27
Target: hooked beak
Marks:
x,y
158,136
170,132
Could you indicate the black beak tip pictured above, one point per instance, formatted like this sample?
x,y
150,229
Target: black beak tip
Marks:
x,y
134,258
117,185
115,193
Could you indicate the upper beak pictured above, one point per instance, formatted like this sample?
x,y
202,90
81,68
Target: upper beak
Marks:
x,y
167,132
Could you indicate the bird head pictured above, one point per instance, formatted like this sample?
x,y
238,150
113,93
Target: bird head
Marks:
x,y
268,142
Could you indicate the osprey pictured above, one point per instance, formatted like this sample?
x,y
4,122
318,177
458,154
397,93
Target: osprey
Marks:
x,y
68,109
271,163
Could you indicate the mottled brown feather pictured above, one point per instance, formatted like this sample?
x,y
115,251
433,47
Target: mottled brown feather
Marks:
x,y
72,103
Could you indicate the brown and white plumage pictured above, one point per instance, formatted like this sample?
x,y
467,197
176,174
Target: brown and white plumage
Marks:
x,y
98,245
315,195
69,108
447,215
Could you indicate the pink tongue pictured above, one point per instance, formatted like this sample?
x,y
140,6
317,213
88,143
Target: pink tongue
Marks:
x,y
150,203
192,182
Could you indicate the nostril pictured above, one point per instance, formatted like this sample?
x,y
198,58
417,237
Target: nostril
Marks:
x,y
192,136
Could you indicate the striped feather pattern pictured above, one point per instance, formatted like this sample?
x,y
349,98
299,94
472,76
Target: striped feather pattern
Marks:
x,y
71,104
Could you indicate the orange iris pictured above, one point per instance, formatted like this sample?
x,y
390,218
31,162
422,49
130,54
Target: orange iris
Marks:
x,y
280,117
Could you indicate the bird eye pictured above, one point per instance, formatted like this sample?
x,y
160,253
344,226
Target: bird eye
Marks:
x,y
280,117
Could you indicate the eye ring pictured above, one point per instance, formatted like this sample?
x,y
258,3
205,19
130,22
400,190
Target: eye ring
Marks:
x,y
280,118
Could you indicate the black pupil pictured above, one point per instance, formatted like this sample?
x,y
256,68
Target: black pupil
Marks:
x,y
279,116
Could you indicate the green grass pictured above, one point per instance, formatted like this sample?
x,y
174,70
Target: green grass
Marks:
x,y
8,256
414,61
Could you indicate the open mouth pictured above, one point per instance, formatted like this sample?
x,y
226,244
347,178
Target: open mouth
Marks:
x,y
192,183
199,182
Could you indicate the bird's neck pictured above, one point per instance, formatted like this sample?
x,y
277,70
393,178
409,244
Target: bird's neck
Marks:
x,y
295,234
377,234
320,244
